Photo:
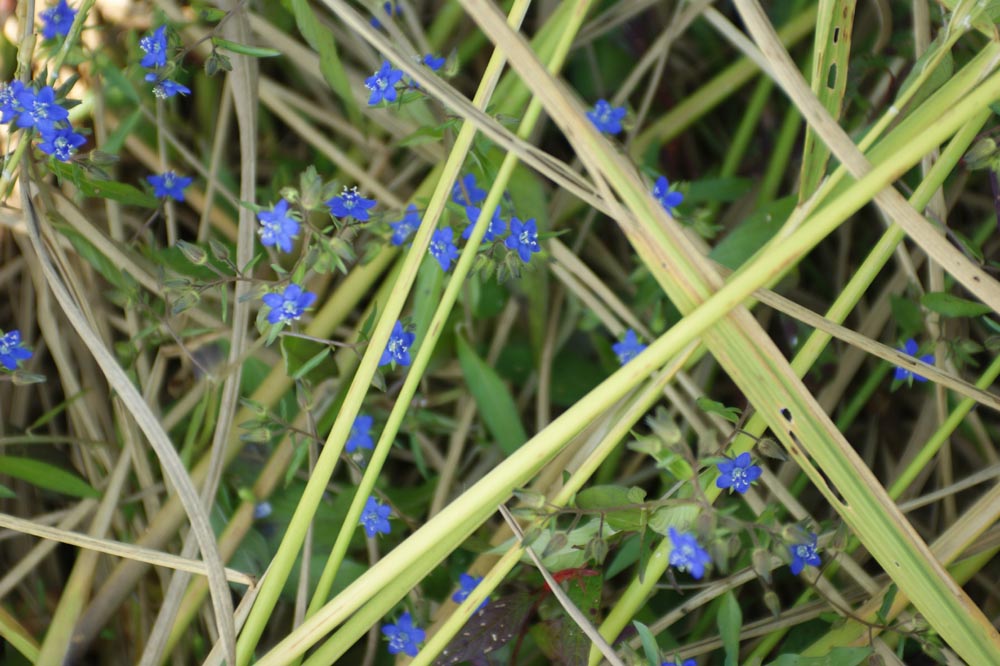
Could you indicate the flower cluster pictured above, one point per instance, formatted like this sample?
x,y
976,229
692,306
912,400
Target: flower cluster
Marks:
x,y
466,584
607,118
668,198
628,348
12,350
404,636
375,518
169,185
31,109
804,554
397,350
288,305
911,348
360,436
687,555
278,226
57,20
738,474
155,47
382,84
686,662
350,203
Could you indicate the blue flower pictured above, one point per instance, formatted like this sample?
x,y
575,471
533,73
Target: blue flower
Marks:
x,y
164,88
375,518
738,474
350,204
433,61
523,238
911,348
155,48
628,348
288,305
443,248
401,230
9,105
360,437
404,636
61,143
496,228
169,185
57,20
262,510
803,554
383,84
466,584
687,555
278,227
387,7
398,348
669,200
40,110
466,192
607,118
12,351
686,662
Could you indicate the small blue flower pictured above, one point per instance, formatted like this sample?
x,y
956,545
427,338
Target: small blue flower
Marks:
x,y
803,554
523,238
278,227
350,203
443,248
155,48
10,107
169,185
466,584
360,436
398,348
497,225
383,84
288,305
387,7
628,348
466,192
401,230
607,118
687,555
164,88
669,200
57,20
61,143
40,110
404,636
738,474
12,351
911,348
686,662
262,510
375,517
434,62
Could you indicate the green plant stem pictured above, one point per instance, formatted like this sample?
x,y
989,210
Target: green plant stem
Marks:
x,y
777,166
858,399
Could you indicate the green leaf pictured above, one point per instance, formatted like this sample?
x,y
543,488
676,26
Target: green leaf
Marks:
x,y
6,493
246,49
712,407
611,499
720,190
949,305
841,656
751,234
46,476
106,189
496,406
907,316
649,645
730,619
107,268
321,40
306,358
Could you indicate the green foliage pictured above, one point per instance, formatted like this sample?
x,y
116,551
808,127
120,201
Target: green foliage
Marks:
x,y
496,406
44,475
